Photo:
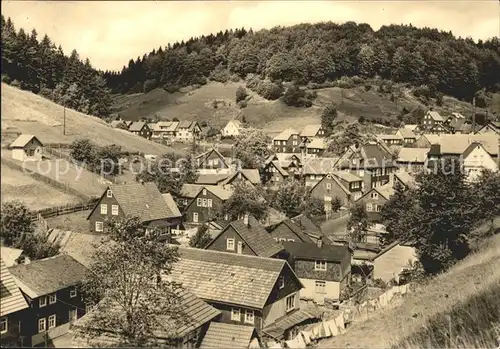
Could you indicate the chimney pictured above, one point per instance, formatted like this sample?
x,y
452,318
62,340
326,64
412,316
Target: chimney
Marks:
x,y
320,242
245,220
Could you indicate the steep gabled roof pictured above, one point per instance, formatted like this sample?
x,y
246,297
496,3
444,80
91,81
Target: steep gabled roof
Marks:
x,y
406,178
169,200
280,169
317,143
334,179
44,276
251,175
22,140
136,126
435,115
192,190
295,228
319,165
306,224
229,278
307,250
142,200
347,176
167,126
310,130
418,155
221,335
211,179
407,133
255,237
11,298
204,156
285,135
386,191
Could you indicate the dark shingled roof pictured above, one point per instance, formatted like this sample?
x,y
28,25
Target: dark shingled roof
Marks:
x,y
305,250
220,335
297,230
255,236
45,276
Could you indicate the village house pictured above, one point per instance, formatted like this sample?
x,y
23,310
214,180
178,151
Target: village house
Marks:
x,y
433,122
204,202
247,290
186,332
391,139
250,176
51,288
273,173
246,236
343,185
409,137
426,140
310,228
312,131
323,269
287,141
412,159
13,309
490,127
314,169
140,128
476,159
27,148
232,128
372,162
213,162
392,260
219,335
456,123
287,230
316,147
142,200
187,131
165,130
374,199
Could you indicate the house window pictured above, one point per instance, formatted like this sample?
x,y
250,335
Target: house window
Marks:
x,y
291,240
249,317
42,302
104,209
290,302
374,195
88,307
109,194
209,203
195,217
320,287
328,186
114,210
282,240
52,321
198,202
3,325
52,298
98,226
369,207
235,315
378,208
204,192
320,265
281,282
204,203
72,292
41,325
230,244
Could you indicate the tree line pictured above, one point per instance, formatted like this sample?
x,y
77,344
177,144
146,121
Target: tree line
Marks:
x,y
312,54
42,67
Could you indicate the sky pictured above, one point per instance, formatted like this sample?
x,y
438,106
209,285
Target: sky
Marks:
x,y
110,33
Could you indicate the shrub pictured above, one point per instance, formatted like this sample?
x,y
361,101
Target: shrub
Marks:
x,y
344,82
439,99
294,96
149,85
361,119
171,88
357,80
219,74
252,81
242,104
368,87
270,90
235,78
241,94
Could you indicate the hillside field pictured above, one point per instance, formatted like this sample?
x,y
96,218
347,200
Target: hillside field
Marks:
x,y
28,113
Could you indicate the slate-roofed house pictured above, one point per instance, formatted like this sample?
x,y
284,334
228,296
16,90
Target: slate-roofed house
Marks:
x,y
13,306
312,131
412,159
310,228
433,122
273,173
186,130
391,139
204,202
408,136
287,141
27,148
455,121
246,236
186,333
287,230
212,162
314,169
315,147
140,128
51,288
221,335
374,199
142,200
323,269
248,290
165,130
490,127
340,184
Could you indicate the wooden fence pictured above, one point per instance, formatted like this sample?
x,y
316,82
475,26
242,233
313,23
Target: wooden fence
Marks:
x,y
62,210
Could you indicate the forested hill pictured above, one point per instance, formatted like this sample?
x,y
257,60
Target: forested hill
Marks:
x,y
315,53
41,67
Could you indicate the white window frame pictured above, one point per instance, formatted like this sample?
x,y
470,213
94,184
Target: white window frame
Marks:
x,y
44,327
109,194
328,186
249,317
198,202
235,317
73,292
99,226
281,282
114,210
320,265
204,203
209,202
52,298
291,240
321,287
369,207
5,324
230,244
52,318
292,307
104,209
195,217
204,191
42,302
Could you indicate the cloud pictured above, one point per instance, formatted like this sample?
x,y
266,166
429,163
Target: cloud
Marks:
x,y
110,33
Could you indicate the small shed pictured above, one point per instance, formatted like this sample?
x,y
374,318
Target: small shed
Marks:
x,y
27,148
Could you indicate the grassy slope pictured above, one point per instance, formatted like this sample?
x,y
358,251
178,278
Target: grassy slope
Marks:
x,y
25,112
272,116
466,292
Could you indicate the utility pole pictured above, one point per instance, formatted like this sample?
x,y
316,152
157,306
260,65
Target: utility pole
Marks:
x,y
64,120
474,115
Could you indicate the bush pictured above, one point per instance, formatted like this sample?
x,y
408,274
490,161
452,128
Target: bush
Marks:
x,y
252,81
242,104
344,82
380,284
270,90
361,119
368,87
294,96
439,99
171,88
15,83
357,80
422,91
219,74
235,78
149,85
241,94
312,95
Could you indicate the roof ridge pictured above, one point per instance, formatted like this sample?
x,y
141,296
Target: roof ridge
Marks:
x,y
236,255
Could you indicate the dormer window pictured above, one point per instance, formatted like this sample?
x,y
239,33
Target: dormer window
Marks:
x,y
109,194
204,192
